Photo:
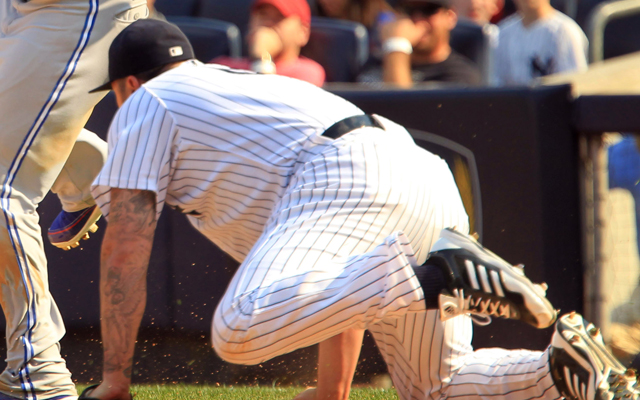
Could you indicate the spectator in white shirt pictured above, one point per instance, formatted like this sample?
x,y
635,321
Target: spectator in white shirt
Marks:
x,y
537,41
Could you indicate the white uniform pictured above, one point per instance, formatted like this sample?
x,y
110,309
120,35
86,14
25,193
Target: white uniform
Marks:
x,y
548,46
327,231
51,53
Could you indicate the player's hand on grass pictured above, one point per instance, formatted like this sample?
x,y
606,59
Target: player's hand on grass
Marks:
x,y
309,394
109,392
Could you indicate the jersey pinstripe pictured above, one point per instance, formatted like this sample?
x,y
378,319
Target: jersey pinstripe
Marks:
x,y
328,231
548,46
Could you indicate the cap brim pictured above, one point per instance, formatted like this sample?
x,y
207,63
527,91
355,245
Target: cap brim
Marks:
x,y
101,88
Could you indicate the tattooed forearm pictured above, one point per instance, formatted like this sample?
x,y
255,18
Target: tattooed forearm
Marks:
x,y
123,275
132,210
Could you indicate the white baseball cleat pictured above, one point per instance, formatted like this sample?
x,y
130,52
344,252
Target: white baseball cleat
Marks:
x,y
484,285
583,368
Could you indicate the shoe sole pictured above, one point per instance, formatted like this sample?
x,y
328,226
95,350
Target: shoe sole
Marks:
x,y
542,313
89,227
577,340
573,324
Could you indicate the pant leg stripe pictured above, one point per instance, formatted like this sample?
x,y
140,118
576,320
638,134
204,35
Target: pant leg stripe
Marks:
x,y
16,242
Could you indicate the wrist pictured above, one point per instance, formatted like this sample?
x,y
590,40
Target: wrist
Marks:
x,y
263,65
397,44
116,382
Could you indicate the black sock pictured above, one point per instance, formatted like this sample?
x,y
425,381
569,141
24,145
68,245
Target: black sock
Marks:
x,y
432,282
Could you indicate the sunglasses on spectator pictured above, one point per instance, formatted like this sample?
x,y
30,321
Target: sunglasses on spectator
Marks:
x,y
423,9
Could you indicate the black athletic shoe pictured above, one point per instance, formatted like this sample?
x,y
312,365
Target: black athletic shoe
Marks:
x,y
583,368
482,284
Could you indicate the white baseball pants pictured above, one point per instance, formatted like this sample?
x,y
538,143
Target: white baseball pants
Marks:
x,y
52,52
338,254
73,184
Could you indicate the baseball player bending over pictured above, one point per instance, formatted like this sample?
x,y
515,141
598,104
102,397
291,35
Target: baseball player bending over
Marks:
x,y
336,226
51,52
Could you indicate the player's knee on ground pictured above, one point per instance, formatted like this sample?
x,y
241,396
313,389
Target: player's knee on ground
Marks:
x,y
235,353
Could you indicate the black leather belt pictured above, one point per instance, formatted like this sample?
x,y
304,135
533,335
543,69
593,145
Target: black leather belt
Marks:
x,y
350,124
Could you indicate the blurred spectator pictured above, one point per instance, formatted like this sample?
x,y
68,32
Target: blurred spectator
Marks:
x,y
278,29
153,12
417,49
373,14
478,11
537,41
367,12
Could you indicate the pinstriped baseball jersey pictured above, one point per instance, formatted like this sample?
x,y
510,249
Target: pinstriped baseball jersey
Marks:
x,y
328,231
548,46
223,152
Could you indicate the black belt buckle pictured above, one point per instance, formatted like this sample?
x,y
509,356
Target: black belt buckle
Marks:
x,y
350,124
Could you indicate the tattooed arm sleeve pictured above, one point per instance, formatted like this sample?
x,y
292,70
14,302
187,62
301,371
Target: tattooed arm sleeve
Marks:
x,y
123,278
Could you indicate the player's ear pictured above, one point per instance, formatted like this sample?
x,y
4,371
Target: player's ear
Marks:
x,y
452,18
133,83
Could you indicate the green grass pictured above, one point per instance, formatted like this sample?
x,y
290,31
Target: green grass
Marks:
x,y
192,392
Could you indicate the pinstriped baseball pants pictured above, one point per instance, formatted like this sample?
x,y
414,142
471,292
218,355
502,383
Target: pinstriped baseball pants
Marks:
x,y
51,53
338,254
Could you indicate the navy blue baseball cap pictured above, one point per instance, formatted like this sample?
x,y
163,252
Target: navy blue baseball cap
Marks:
x,y
143,46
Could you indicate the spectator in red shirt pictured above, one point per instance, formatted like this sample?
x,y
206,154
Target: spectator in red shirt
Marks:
x,y
278,29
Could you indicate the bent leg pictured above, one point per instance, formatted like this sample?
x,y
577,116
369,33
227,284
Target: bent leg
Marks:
x,y
303,309
51,53
317,271
34,325
504,375
83,165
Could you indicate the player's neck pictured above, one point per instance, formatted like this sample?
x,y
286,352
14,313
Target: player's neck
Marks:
x,y
531,15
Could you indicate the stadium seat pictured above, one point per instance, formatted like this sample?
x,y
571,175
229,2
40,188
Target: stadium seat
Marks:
x,y
177,7
210,38
462,163
473,42
234,11
584,9
613,29
341,47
